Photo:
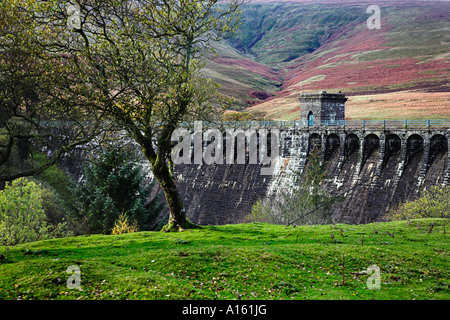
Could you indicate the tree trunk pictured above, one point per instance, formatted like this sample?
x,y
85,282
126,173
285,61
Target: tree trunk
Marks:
x,y
177,216
177,213
162,173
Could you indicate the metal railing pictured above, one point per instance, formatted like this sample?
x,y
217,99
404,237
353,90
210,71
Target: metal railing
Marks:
x,y
361,124
390,124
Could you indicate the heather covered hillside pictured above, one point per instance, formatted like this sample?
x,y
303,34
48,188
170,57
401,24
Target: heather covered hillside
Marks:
x,y
284,47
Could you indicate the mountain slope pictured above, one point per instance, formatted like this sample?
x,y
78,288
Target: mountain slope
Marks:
x,y
239,76
314,47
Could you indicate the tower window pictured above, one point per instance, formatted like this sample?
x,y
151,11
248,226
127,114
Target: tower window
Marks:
x,y
332,117
310,119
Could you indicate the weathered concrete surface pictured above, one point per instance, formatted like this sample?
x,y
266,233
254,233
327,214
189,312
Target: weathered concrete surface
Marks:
x,y
374,170
220,193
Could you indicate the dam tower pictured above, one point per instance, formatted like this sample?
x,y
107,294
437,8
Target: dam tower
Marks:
x,y
322,108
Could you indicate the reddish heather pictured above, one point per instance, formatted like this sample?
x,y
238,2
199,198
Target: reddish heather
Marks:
x,y
295,110
373,73
252,66
339,48
339,69
365,40
335,64
355,2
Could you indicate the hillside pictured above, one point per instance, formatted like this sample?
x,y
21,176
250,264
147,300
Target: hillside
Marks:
x,y
256,261
283,48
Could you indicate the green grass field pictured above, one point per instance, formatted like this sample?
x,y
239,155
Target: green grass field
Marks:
x,y
256,261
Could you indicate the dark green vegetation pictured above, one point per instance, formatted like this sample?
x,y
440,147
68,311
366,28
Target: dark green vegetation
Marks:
x,y
254,261
55,204
281,32
131,68
115,183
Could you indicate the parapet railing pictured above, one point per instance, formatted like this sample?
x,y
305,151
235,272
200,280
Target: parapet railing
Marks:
x,y
360,124
389,124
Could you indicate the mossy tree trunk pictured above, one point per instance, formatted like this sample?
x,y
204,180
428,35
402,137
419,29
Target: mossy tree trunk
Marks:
x,y
160,161
177,216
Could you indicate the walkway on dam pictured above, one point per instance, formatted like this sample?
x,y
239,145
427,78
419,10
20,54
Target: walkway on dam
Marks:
x,y
353,124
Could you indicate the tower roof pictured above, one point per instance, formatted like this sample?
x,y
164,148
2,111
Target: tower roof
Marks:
x,y
323,95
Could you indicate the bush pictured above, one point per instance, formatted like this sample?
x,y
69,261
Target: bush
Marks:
x,y
433,203
22,214
123,225
115,182
53,208
305,204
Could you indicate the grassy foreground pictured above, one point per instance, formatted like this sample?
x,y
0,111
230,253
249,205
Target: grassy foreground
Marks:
x,y
247,261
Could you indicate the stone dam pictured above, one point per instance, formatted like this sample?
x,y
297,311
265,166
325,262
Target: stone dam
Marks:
x,y
374,165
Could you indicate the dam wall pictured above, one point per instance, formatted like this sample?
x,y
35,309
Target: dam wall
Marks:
x,y
373,169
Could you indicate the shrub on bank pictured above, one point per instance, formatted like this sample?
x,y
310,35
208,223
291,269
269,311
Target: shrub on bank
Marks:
x,y
433,203
22,214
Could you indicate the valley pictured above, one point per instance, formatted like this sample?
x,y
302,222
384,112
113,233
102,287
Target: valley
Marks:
x,y
283,48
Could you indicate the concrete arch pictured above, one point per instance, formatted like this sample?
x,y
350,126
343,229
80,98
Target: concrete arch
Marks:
x,y
314,140
352,144
333,142
414,144
416,136
393,143
371,143
438,144
357,133
372,139
372,133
